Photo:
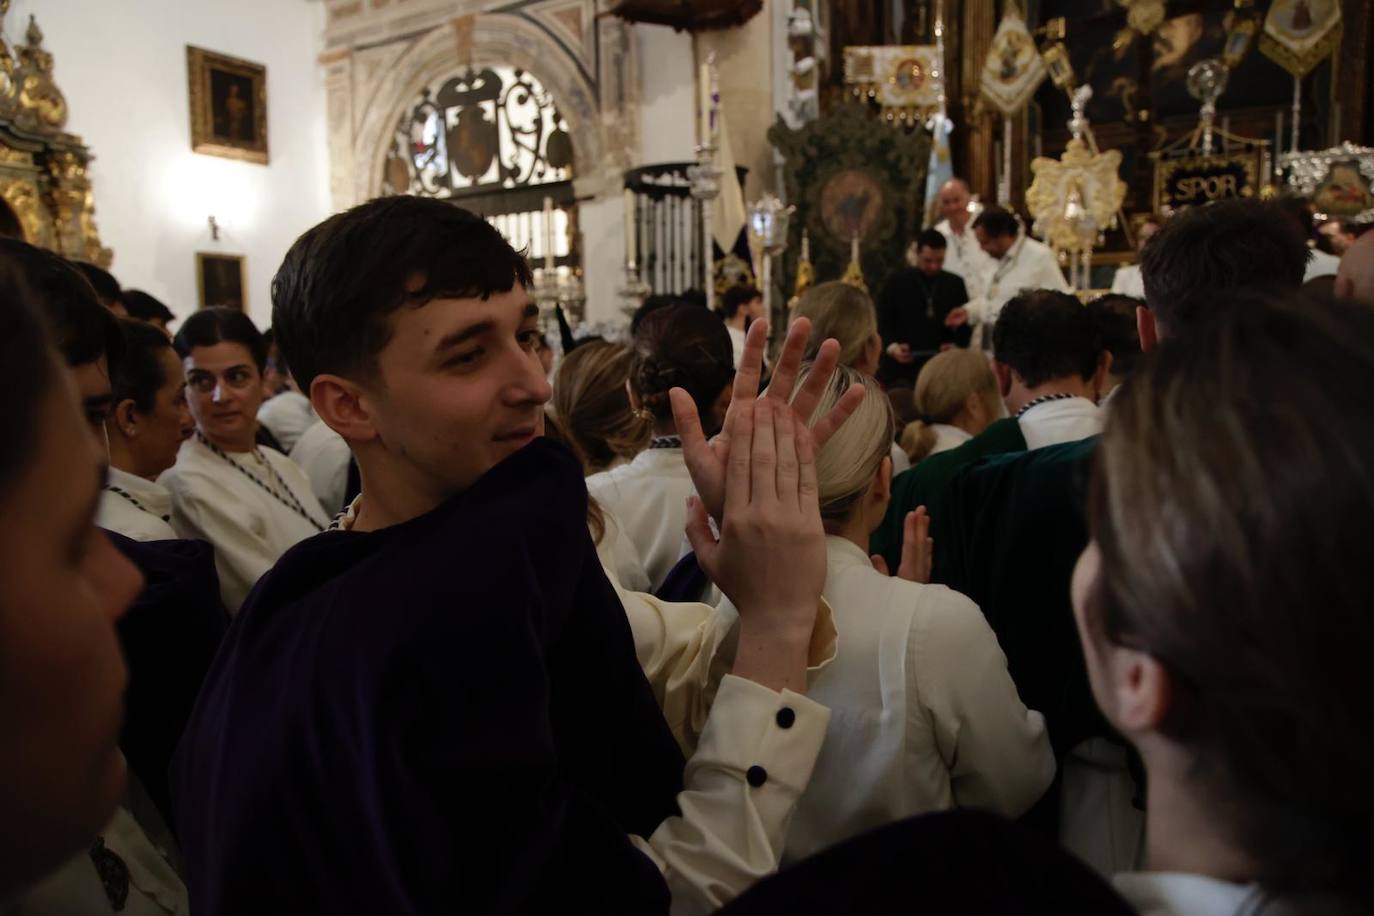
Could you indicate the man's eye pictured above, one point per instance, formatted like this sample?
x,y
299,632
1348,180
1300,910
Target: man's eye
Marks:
x,y
464,359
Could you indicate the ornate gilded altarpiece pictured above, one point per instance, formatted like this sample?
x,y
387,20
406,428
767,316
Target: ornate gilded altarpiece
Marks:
x,y
44,181
850,173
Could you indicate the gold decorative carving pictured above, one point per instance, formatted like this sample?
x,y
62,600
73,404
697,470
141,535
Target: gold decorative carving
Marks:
x,y
1074,199
39,96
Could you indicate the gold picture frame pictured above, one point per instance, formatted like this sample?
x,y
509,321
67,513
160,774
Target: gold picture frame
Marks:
x,y
220,280
228,105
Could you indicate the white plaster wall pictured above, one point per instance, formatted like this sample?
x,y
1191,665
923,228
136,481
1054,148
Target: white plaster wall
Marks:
x,y
122,67
603,256
667,95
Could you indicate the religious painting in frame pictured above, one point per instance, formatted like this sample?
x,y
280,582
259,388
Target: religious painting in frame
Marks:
x,y
1339,181
228,105
220,280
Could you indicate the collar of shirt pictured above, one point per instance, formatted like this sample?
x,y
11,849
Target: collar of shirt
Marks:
x,y
1178,894
1065,420
657,462
151,495
841,553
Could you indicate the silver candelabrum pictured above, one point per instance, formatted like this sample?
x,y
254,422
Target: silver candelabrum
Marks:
x,y
767,224
705,179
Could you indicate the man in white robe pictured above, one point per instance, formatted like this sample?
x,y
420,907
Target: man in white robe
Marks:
x,y
1020,262
964,257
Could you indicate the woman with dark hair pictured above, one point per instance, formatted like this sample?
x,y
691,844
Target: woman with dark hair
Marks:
x,y
149,422
1224,608
679,346
250,501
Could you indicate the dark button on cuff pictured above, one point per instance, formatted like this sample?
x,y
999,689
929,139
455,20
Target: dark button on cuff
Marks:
x,y
786,717
756,776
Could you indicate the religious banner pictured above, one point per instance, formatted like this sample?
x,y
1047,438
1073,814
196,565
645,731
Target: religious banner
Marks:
x,y
1339,181
1194,178
903,79
1014,69
1299,34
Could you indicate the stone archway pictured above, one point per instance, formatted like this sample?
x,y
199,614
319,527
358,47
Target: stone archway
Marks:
x,y
496,39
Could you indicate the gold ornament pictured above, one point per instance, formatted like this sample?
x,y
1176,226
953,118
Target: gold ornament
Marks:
x,y
1075,198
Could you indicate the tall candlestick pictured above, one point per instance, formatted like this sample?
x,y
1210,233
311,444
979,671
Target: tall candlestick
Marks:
x,y
548,233
704,94
631,237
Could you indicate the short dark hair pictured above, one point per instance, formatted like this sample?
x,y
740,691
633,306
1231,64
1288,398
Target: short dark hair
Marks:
x,y
102,281
334,294
931,238
1116,322
680,346
83,329
996,222
735,296
140,374
1204,255
28,368
652,304
145,307
220,324
1044,334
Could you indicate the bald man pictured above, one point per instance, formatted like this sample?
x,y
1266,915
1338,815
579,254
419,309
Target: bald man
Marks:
x,y
963,256
1355,277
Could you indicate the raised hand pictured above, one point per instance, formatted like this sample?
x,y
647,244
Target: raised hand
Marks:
x,y
918,549
770,559
706,460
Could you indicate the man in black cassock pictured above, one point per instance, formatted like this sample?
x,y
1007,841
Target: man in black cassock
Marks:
x,y
920,312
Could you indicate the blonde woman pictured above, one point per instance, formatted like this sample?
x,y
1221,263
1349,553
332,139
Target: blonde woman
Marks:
x,y
846,313
924,715
956,398
593,406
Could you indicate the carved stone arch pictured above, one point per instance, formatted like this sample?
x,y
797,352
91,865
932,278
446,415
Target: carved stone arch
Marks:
x,y
497,39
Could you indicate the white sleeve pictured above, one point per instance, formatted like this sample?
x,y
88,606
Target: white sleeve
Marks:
x,y
686,649
1119,281
201,508
742,784
997,751
1052,276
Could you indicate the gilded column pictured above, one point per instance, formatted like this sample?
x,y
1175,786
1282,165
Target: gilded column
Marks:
x,y
978,24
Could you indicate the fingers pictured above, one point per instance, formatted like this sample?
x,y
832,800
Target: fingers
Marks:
x,y
789,361
879,563
738,466
827,357
765,453
699,535
688,425
808,491
917,546
825,427
788,464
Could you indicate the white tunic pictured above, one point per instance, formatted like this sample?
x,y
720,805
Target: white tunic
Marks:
x,y
965,257
648,497
323,455
142,512
1181,894
1056,422
1128,281
736,343
1321,264
286,417
1028,264
248,526
923,714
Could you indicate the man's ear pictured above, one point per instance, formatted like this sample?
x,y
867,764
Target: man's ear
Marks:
x,y
1004,378
126,418
343,406
1145,327
1104,369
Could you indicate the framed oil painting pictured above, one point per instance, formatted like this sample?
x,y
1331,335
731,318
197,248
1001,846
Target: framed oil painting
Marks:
x,y
228,105
219,280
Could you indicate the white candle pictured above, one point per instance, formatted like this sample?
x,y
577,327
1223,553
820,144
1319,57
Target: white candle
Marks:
x,y
806,246
548,233
704,134
854,248
631,242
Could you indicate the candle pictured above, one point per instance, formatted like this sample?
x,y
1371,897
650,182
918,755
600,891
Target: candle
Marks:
x,y
806,246
704,134
631,239
548,233
854,248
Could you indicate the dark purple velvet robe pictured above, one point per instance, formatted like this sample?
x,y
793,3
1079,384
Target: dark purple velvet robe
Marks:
x,y
444,716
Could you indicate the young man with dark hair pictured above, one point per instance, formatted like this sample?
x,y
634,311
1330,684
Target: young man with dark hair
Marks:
x,y
1050,367
147,308
1019,263
921,310
249,500
739,305
105,285
439,707
1116,322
